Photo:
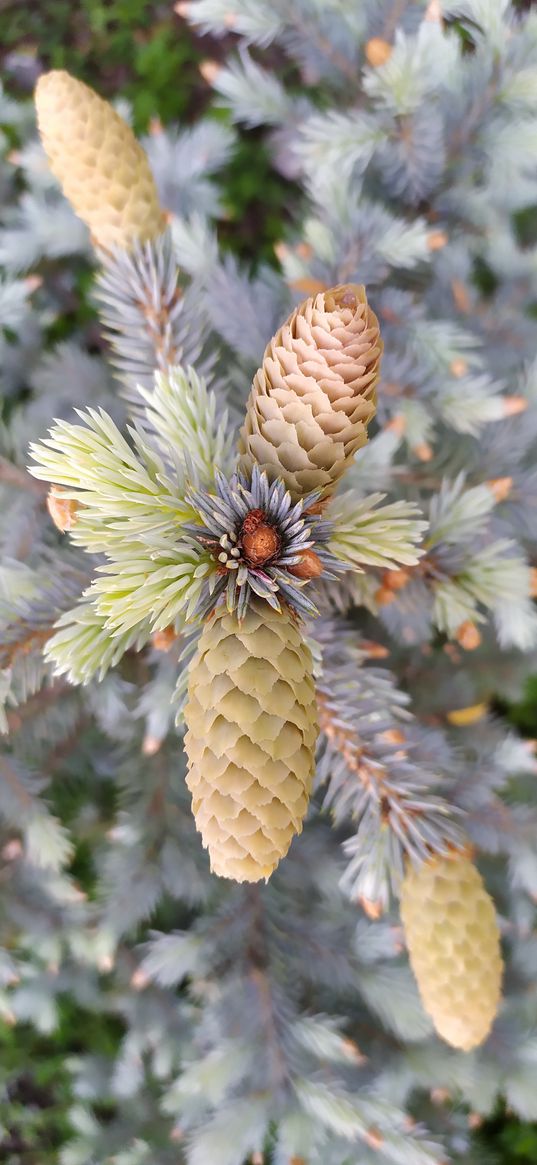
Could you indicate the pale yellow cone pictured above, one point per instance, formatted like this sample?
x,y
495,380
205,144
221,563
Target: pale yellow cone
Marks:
x,y
454,947
252,728
102,168
314,395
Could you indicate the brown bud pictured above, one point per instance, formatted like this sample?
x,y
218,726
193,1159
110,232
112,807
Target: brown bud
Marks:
x,y
309,565
437,240
139,980
252,521
440,1095
377,52
63,510
373,909
33,283
318,508
151,745
12,850
393,736
451,652
458,367
461,296
468,636
281,251
260,541
397,425
513,405
384,595
475,1120
353,1052
501,487
209,71
423,451
304,250
395,580
374,650
374,1138
433,12
164,640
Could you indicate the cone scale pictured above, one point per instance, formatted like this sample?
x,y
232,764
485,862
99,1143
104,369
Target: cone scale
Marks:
x,y
252,729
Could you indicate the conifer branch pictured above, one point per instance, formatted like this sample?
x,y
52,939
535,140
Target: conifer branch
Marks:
x,y
369,761
239,1029
149,320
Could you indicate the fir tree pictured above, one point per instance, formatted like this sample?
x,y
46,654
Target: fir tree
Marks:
x,y
307,589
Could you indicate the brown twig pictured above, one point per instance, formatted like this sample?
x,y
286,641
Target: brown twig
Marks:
x,y
160,330
11,474
31,639
371,773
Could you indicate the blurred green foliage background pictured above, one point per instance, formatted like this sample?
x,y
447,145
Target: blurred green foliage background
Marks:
x,y
144,51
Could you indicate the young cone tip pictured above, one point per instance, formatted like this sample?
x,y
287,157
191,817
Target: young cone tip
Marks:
x,y
314,395
102,168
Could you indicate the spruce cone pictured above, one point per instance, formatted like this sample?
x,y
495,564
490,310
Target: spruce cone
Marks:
x,y
314,395
102,168
252,729
454,947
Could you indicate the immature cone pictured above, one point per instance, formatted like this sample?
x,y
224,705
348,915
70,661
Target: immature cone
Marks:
x,y
454,947
252,729
103,169
314,395
63,510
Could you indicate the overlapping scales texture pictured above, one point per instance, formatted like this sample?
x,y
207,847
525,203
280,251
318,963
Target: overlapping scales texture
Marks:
x,y
454,947
314,395
102,168
252,729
